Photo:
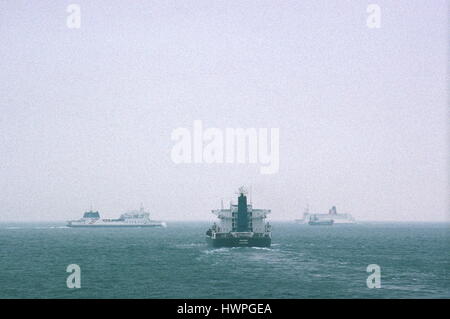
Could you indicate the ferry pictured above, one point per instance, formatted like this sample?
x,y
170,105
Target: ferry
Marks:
x,y
136,218
332,215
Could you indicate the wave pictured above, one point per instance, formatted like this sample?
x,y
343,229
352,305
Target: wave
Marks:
x,y
260,248
51,227
191,245
218,250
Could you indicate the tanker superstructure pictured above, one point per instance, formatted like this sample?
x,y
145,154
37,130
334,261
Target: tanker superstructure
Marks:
x,y
136,218
240,225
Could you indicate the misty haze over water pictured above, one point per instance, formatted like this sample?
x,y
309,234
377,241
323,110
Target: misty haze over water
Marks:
x,y
87,114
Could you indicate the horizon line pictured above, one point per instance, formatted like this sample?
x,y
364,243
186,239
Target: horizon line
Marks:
x,y
272,220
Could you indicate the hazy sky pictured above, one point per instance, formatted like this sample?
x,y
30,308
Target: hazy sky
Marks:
x,y
86,114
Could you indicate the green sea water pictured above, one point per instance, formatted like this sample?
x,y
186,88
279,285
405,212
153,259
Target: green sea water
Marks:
x,y
175,262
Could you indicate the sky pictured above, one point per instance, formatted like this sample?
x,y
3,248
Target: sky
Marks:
x,y
86,114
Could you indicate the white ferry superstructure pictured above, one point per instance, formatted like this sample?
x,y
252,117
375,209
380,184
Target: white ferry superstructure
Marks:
x,y
137,218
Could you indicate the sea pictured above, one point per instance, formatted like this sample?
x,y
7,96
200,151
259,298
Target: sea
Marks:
x,y
175,262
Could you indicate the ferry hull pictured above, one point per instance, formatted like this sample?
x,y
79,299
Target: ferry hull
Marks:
x,y
239,242
321,223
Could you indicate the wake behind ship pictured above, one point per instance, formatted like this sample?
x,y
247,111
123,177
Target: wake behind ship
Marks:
x,y
139,218
240,226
